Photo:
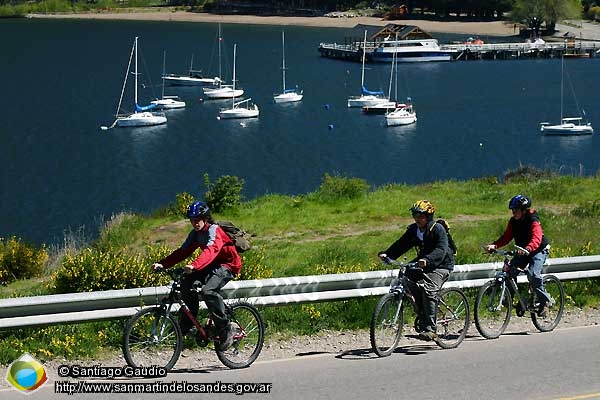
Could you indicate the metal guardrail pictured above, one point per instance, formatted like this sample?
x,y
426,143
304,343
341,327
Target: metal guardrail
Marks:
x,y
114,304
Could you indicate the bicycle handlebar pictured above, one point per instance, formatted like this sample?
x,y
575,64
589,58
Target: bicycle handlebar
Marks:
x,y
509,253
387,260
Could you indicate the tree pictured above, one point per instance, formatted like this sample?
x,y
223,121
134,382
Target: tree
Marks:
x,y
534,13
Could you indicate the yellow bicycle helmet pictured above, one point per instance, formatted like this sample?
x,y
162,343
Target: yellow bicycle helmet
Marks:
x,y
423,207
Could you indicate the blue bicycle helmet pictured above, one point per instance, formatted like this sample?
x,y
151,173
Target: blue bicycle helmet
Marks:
x,y
519,202
197,209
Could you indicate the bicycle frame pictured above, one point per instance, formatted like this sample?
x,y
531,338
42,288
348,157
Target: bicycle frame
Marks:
x,y
505,279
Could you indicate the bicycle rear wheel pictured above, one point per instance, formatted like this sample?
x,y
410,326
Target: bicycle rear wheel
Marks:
x,y
248,336
152,337
554,309
492,315
452,318
386,324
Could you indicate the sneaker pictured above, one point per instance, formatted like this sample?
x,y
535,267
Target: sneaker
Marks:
x,y
225,339
427,336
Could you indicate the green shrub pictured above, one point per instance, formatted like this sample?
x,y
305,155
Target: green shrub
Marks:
x,y
182,201
97,269
19,260
224,194
254,266
339,187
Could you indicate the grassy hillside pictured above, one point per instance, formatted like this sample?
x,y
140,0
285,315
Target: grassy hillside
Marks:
x,y
331,230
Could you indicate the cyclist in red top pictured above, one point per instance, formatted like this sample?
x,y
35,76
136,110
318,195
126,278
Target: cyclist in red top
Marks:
x,y
525,228
218,263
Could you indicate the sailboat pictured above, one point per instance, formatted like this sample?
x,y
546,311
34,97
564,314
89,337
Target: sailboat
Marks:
x,y
240,109
367,97
193,78
286,95
403,114
220,90
167,102
142,116
567,125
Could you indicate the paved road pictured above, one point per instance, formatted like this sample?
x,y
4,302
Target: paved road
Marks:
x,y
563,364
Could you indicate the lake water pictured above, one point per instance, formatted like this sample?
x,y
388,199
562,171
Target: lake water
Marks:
x,y
62,81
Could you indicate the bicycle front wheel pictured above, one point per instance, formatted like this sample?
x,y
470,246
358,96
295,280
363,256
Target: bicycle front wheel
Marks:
x,y
492,312
452,318
152,337
554,308
248,336
386,324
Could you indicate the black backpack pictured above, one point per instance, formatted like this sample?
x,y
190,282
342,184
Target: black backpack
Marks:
x,y
451,243
239,237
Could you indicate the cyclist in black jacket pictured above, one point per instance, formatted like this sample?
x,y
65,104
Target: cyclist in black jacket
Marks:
x,y
435,259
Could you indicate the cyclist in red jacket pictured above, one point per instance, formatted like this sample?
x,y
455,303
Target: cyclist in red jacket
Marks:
x,y
218,263
526,230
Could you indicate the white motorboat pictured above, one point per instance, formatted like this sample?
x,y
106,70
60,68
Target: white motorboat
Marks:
x,y
367,97
411,50
286,95
142,116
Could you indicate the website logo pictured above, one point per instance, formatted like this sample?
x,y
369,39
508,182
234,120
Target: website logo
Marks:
x,y
26,374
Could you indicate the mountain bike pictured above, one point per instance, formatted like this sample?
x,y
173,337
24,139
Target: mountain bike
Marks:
x,y
494,301
153,336
397,307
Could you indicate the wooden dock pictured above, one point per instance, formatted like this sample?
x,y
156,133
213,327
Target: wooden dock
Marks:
x,y
487,51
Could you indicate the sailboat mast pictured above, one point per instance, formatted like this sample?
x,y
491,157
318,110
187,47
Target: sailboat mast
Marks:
x,y
362,75
163,75
562,78
220,39
233,79
283,59
136,73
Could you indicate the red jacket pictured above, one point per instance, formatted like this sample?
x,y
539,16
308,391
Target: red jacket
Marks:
x,y
526,231
217,248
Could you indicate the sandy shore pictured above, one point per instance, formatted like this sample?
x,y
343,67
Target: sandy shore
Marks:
x,y
495,28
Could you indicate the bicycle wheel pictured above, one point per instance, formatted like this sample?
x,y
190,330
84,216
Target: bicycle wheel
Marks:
x,y
452,318
152,337
554,309
386,324
492,316
248,336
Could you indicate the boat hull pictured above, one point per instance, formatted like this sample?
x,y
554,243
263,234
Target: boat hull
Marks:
x,y
168,104
411,57
382,108
365,101
175,80
141,119
222,93
567,129
289,97
401,116
239,112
